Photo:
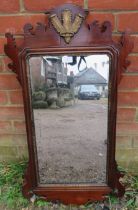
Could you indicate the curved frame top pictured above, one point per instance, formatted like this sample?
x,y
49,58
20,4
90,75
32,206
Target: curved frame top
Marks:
x,y
68,32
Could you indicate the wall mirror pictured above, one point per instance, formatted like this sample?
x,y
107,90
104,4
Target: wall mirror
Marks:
x,y
69,71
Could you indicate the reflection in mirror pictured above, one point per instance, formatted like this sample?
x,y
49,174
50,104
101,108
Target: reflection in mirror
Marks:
x,y
70,109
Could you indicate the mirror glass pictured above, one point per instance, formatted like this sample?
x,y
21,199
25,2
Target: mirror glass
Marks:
x,y
69,96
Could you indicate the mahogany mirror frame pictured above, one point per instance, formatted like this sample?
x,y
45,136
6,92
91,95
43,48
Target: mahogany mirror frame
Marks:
x,y
48,40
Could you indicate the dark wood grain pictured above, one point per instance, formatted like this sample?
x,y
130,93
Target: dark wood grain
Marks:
x,y
93,39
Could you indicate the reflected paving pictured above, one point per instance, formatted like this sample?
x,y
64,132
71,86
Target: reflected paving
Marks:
x,y
71,142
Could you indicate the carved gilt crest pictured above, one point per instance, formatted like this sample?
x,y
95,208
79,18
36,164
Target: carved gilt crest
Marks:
x,y
67,28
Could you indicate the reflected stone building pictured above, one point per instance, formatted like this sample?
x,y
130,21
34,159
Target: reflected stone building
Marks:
x,y
49,82
47,70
